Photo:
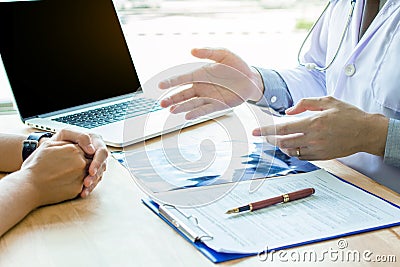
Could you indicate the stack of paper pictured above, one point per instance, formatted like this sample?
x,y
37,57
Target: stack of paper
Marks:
x,y
6,106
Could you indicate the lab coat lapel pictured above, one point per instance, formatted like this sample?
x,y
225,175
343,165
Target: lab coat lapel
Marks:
x,y
390,7
355,25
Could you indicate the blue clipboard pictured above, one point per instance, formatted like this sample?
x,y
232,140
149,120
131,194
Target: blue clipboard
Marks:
x,y
212,255
218,257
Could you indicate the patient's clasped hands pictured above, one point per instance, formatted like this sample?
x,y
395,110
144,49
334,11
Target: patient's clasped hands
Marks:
x,y
70,164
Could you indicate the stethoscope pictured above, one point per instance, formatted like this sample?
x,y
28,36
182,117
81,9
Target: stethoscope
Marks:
x,y
313,66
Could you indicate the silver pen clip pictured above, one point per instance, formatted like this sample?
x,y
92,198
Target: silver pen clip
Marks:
x,y
186,224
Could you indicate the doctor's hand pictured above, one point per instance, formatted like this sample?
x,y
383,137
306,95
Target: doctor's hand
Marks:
x,y
225,83
337,130
94,149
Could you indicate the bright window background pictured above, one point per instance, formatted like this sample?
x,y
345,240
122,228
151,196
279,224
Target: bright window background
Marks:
x,y
160,33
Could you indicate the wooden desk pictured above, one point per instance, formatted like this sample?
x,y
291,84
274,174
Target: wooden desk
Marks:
x,y
113,228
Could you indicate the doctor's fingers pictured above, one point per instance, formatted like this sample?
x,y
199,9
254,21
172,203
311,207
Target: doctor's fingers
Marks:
x,y
299,126
313,104
199,75
178,97
215,54
203,73
287,141
178,80
196,75
301,153
198,107
218,74
312,152
296,145
198,90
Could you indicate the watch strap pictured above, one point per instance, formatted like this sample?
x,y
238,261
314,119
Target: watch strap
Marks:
x,y
31,143
38,135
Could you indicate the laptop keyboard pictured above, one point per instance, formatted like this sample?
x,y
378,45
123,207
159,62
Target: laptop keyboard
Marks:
x,y
109,114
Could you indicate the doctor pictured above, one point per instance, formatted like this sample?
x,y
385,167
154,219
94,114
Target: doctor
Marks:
x,y
349,74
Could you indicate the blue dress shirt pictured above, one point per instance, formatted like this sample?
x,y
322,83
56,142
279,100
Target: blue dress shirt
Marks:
x,y
277,96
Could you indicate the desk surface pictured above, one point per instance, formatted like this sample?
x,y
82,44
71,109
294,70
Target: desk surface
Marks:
x,y
113,228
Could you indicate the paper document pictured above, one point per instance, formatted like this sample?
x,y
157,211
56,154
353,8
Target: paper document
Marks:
x,y
166,169
336,209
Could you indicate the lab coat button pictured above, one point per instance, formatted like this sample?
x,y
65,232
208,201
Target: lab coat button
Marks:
x,y
350,69
273,99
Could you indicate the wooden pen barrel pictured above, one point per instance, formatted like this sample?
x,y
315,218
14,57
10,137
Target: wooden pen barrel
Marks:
x,y
265,203
283,198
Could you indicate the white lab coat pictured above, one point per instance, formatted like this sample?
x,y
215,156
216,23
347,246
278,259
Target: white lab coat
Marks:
x,y
375,85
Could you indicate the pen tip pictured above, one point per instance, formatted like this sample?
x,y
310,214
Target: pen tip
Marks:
x,y
231,211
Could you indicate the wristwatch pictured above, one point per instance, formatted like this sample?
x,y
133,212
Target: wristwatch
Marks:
x,y
29,145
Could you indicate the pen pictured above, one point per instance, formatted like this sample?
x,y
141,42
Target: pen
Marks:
x,y
275,200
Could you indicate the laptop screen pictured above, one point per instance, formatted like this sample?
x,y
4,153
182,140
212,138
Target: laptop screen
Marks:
x,y
60,54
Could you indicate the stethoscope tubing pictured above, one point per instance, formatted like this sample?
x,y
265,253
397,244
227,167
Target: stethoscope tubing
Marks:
x,y
313,66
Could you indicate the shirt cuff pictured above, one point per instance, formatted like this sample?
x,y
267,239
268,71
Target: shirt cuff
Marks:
x,y
276,93
392,150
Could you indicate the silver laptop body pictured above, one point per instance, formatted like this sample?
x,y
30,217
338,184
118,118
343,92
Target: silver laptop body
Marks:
x,y
68,57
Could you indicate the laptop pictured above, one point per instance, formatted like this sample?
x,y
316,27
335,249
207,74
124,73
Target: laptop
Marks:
x,y
69,66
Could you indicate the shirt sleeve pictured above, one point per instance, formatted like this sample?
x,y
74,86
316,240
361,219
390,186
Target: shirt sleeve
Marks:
x,y
392,150
276,93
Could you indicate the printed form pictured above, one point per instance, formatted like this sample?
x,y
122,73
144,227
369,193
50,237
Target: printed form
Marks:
x,y
336,209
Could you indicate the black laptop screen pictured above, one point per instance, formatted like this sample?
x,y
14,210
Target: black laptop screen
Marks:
x,y
64,53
